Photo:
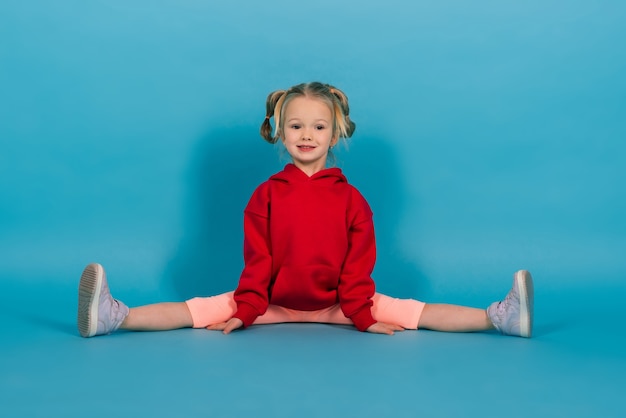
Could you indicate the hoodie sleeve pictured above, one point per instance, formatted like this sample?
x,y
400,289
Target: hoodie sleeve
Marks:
x,y
356,286
251,295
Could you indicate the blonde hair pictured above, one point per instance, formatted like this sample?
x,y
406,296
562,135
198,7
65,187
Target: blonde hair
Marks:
x,y
336,100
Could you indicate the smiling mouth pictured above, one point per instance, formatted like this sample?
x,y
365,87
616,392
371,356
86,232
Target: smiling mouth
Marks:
x,y
305,147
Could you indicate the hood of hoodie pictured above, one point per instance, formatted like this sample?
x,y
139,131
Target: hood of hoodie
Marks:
x,y
292,175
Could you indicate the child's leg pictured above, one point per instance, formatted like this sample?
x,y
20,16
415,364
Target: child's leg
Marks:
x,y
413,314
99,313
511,316
207,311
158,317
454,318
403,312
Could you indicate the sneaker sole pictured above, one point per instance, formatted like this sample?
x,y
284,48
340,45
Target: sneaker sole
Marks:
x,y
88,297
524,282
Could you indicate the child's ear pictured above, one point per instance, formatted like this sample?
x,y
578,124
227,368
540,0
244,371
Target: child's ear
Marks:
x,y
334,141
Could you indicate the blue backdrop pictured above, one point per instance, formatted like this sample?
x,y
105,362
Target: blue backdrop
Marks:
x,y
490,137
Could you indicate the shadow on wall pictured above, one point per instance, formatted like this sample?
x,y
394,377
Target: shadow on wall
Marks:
x,y
228,165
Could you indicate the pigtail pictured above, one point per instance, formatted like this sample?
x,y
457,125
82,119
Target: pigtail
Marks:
x,y
272,108
342,112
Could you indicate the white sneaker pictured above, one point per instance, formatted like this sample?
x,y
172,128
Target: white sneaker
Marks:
x,y
98,312
514,315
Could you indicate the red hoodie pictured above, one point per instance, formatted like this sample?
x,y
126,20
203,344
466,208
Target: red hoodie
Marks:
x,y
309,244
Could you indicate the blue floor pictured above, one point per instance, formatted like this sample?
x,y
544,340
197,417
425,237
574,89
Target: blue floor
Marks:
x,y
574,366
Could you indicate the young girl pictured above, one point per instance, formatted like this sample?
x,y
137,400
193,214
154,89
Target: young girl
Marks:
x,y
309,250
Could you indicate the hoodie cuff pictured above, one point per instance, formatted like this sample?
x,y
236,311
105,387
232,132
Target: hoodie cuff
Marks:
x,y
246,313
363,319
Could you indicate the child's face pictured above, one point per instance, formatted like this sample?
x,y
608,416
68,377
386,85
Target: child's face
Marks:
x,y
308,133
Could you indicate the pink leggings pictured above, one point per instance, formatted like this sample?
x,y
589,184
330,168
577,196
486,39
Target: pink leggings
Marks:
x,y
220,308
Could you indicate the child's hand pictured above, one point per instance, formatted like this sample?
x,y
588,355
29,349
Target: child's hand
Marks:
x,y
383,328
228,326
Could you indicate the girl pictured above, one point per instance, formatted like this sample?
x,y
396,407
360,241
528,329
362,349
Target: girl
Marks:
x,y
309,250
